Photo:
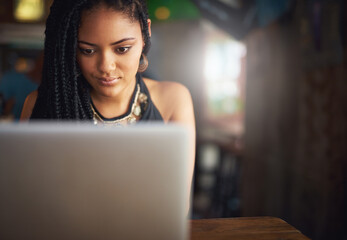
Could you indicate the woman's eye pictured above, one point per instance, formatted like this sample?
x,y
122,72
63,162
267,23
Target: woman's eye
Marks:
x,y
87,51
123,50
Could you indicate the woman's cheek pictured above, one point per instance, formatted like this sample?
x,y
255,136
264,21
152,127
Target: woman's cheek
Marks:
x,y
85,65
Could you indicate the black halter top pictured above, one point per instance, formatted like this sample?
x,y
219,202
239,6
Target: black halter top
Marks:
x,y
141,108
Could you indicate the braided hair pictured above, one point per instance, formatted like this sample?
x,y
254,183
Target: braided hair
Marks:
x,y
64,92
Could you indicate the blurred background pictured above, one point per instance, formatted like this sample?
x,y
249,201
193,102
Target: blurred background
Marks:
x,y
268,81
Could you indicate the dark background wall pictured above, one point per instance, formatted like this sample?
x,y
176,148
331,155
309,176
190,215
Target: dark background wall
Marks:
x,y
295,143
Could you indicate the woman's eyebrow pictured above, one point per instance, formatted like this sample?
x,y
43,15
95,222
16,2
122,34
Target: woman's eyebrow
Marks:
x,y
114,43
123,40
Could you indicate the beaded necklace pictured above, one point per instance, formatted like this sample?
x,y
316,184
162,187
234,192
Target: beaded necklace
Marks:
x,y
131,118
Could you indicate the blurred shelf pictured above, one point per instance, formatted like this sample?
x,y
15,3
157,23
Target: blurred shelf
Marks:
x,y
22,35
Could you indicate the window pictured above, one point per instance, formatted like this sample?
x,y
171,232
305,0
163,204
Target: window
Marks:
x,y
224,73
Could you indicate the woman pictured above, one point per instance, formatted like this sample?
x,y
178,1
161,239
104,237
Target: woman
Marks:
x,y
92,57
95,51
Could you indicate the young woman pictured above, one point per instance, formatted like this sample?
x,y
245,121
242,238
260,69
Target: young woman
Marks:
x,y
95,51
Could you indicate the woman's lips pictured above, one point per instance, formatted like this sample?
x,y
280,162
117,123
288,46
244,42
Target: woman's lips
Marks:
x,y
108,81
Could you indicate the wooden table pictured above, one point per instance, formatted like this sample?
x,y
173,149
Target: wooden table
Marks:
x,y
245,228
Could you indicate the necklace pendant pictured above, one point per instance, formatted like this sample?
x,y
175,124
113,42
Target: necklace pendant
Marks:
x,y
137,111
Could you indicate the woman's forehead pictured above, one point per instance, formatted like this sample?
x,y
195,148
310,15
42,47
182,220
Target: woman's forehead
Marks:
x,y
107,23
103,12
101,8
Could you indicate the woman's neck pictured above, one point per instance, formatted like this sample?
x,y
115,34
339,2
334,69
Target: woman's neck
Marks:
x,y
111,107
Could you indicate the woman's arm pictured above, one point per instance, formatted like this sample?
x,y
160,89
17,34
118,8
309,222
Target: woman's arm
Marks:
x,y
183,113
28,106
175,104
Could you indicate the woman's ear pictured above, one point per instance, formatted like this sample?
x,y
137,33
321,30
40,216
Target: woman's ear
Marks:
x,y
149,27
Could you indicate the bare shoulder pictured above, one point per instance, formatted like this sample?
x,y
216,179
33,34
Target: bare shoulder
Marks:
x,y
171,98
166,89
28,106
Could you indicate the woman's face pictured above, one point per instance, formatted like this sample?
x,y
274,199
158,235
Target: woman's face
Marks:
x,y
109,50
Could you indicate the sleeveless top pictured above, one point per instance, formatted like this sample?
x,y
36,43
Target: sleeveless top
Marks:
x,y
141,108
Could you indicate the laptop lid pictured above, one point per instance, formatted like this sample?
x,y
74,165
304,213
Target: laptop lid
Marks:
x,y
78,181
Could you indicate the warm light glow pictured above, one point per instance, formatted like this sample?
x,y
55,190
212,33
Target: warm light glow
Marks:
x,y
29,10
162,13
21,65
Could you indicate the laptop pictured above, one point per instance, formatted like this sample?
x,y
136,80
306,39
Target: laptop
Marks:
x,y
79,181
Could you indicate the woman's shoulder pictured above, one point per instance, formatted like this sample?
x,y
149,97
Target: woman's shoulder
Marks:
x,y
165,87
168,97
28,105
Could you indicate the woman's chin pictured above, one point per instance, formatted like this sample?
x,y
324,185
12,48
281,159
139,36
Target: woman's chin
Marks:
x,y
105,93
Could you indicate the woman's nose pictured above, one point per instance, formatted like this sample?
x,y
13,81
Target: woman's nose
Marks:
x,y
107,63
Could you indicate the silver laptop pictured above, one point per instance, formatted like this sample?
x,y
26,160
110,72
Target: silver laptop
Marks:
x,y
78,181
